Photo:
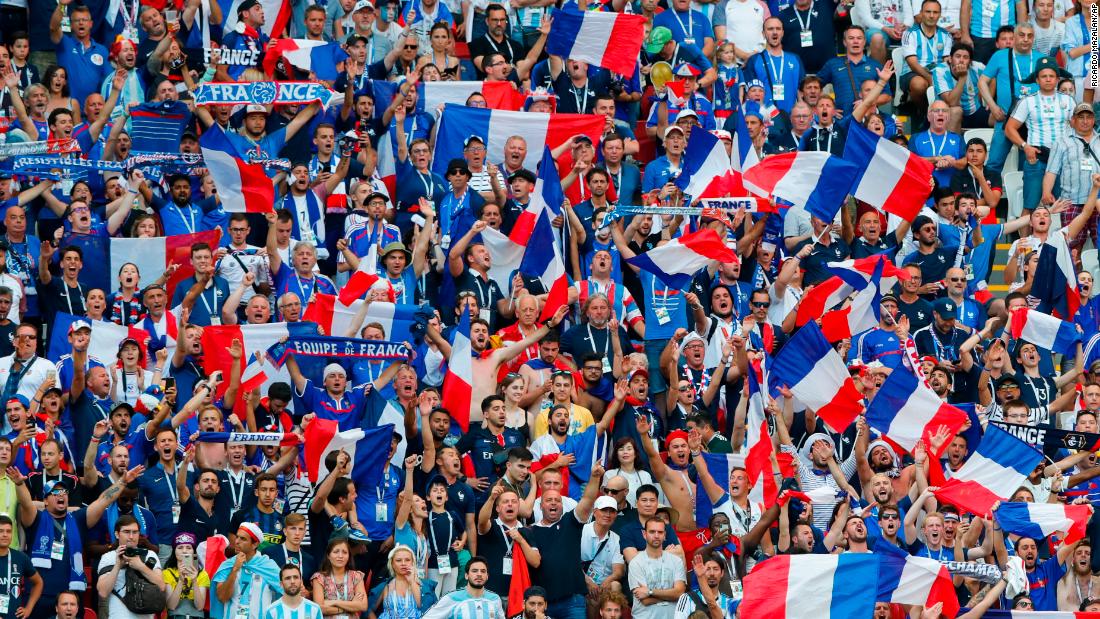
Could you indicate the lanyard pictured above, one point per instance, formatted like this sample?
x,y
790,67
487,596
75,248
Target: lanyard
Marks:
x,y
1016,66
481,293
431,527
582,104
378,490
606,343
809,18
9,583
1076,583
777,76
172,487
210,310
497,49
685,29
68,299
931,141
297,556
427,185
236,490
190,225
302,288
619,181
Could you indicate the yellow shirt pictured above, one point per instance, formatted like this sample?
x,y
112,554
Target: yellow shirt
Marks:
x,y
580,418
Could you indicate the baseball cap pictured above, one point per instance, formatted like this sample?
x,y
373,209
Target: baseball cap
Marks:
x,y
946,308
606,502
687,113
334,368
1083,108
247,5
888,297
376,194
638,372
754,83
657,39
57,485
686,69
77,325
669,129
255,108
525,174
471,138
363,4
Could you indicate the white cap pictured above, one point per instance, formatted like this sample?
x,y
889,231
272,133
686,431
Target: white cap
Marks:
x,y
255,108
334,368
363,4
669,129
605,502
692,337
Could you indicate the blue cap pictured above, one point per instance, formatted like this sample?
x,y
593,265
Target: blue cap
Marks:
x,y
946,308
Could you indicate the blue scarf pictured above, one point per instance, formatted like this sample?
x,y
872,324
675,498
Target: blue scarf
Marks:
x,y
45,535
313,210
112,517
257,595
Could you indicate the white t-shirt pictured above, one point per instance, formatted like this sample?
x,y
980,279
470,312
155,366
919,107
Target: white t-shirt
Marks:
x,y
115,608
660,573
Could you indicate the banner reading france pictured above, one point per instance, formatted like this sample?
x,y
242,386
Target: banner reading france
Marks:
x,y
261,93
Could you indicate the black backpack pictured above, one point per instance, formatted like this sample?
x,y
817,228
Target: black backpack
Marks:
x,y
142,597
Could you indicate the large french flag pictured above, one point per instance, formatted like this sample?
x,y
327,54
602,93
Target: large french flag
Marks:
x,y
608,40
103,345
861,314
719,466
675,263
915,581
817,180
1039,520
816,375
849,276
1045,331
507,255
906,411
819,586
543,260
707,170
458,382
890,177
1024,614
758,462
546,196
276,17
431,95
318,57
370,453
243,187
459,122
153,256
992,473
336,318
323,436
1055,283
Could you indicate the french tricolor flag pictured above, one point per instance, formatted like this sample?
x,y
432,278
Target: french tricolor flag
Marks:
x,y
817,180
890,177
674,263
1055,278
819,586
459,122
994,613
103,345
758,462
543,260
318,57
816,375
254,376
276,16
1038,520
458,382
216,341
861,314
336,318
323,437
155,255
1045,331
242,187
992,473
849,276
907,411
546,196
608,40
707,169
914,581
365,276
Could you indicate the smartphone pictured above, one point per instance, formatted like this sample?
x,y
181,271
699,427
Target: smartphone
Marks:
x,y
169,382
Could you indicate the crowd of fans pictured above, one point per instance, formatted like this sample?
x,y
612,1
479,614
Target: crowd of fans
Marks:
x,y
109,505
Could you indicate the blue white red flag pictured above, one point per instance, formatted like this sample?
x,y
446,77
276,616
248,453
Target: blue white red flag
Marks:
x,y
675,263
605,39
319,57
992,473
819,586
1039,520
323,436
458,382
816,375
906,411
1055,281
891,177
242,187
914,581
1045,331
817,180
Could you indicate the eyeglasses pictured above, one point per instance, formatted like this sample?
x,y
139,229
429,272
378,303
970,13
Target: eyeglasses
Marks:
x,y
412,47
238,229
889,516
1024,605
761,304
614,490
27,336
685,388
956,279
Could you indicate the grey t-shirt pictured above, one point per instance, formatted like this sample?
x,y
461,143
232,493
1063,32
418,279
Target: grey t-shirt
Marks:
x,y
661,573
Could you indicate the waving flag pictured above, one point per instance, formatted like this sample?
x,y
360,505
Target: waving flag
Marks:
x,y
459,122
361,280
1039,520
366,468
817,376
458,382
675,263
546,196
543,260
431,95
216,341
1024,614
507,255
243,187
758,462
992,473
608,40
819,586
706,167
863,313
817,180
906,411
276,16
153,256
254,375
914,581
336,318
1055,282
719,466
318,57
1045,331
850,275
890,177
103,345
322,438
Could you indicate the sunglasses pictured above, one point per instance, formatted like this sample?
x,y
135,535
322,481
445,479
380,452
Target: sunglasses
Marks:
x,y
614,490
761,304
890,516
956,279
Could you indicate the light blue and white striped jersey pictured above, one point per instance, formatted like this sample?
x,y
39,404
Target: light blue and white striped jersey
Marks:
x,y
305,610
461,605
986,16
1077,34
1046,117
929,50
944,81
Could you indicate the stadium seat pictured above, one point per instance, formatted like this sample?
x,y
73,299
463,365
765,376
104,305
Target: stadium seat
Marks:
x,y
1090,261
1014,192
898,56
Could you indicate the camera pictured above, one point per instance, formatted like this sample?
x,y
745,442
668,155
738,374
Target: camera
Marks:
x,y
616,87
131,552
177,62
349,143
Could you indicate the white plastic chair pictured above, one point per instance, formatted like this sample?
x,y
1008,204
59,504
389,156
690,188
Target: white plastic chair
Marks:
x,y
898,56
1014,192
985,134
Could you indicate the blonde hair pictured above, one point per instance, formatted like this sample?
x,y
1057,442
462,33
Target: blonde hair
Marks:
x,y
393,553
